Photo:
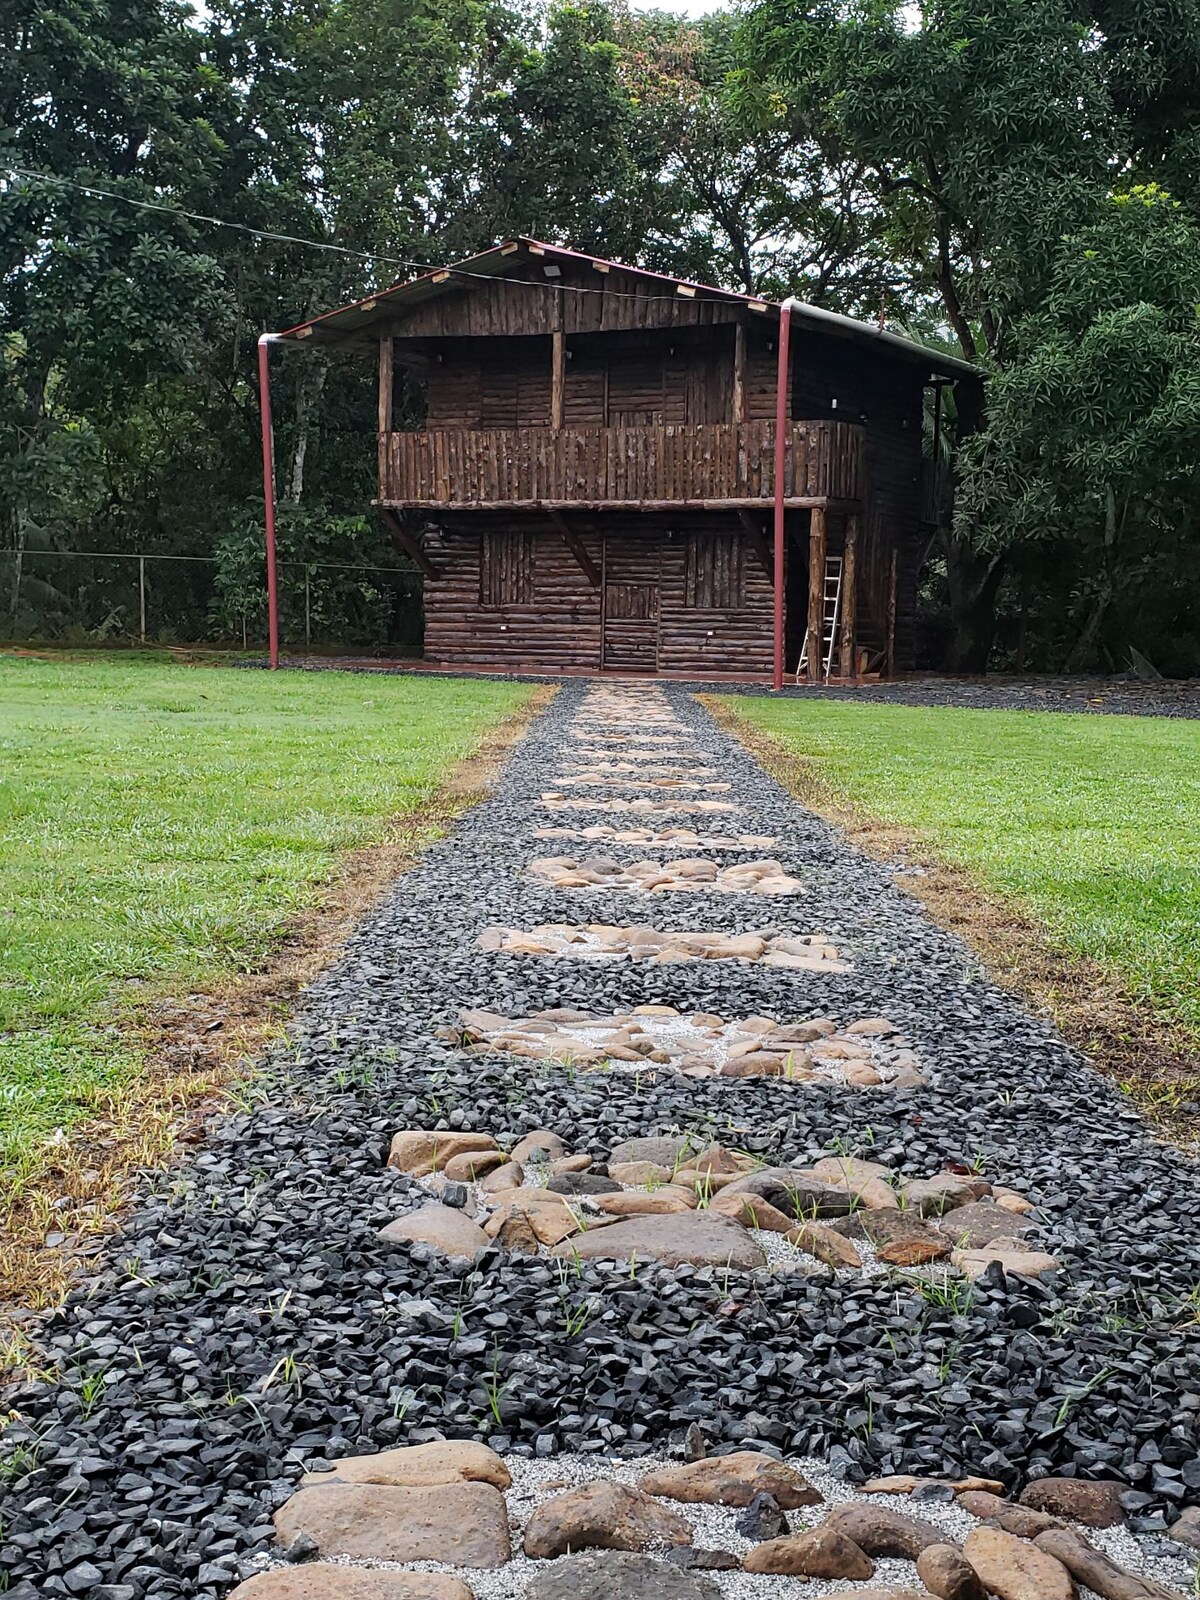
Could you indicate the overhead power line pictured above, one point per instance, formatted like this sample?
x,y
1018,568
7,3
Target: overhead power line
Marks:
x,y
320,244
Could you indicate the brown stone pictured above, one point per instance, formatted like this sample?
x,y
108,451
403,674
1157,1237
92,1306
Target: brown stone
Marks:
x,y
699,1237
906,1482
664,1150
820,1553
637,1173
1095,1571
561,1164
635,1203
817,1240
882,1532
322,1580
889,1227
1014,1569
733,1480
947,1573
540,1143
848,1171
982,1223
929,1197
1024,1521
751,1210
419,1153
441,1227
1012,1255
419,1465
1094,1502
1011,1200
473,1165
510,1176
873,1027
516,1232
756,1064
549,1218
462,1524
602,1516
913,1252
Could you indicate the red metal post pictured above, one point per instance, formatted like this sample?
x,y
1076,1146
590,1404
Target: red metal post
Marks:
x,y
782,408
268,455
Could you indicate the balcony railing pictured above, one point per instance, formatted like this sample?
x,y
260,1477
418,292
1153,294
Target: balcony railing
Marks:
x,y
719,464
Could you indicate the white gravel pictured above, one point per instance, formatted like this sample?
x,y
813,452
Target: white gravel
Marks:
x,y
715,1528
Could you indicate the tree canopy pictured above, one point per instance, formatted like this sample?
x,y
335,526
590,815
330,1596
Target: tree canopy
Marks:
x,y
1013,180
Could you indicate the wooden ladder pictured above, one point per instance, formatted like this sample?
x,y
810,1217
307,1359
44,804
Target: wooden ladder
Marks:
x,y
831,616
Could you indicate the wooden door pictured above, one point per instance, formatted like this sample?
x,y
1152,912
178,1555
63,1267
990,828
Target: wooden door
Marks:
x,y
631,583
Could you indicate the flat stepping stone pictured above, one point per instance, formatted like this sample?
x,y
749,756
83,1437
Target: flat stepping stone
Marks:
x,y
443,1228
619,1575
420,1465
323,1580
980,1224
733,1480
602,1515
678,838
700,1237
462,1524
595,941
688,876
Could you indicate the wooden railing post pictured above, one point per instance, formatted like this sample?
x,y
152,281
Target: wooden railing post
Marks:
x,y
816,593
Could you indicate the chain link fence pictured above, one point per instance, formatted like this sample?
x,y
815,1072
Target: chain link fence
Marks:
x,y
111,597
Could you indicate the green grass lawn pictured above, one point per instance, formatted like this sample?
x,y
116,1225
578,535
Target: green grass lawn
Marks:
x,y
158,825
1091,822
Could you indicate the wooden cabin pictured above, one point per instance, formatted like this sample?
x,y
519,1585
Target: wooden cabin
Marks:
x,y
579,457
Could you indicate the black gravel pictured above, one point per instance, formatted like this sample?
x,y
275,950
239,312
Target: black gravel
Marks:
x,y
247,1321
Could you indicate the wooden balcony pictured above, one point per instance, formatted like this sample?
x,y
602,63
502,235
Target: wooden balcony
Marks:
x,y
644,468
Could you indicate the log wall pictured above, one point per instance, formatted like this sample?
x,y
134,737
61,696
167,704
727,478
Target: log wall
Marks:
x,y
641,617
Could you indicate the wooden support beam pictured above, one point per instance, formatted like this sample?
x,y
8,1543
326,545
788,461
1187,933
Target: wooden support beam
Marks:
x,y
405,541
816,594
558,363
847,664
756,534
737,402
893,579
387,370
575,545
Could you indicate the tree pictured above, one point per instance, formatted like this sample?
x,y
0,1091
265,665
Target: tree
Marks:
x,y
987,132
1092,427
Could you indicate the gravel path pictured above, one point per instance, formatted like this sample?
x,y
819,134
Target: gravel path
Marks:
x,y
249,1322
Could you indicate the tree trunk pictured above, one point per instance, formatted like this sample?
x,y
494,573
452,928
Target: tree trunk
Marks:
x,y
973,579
1082,651
308,395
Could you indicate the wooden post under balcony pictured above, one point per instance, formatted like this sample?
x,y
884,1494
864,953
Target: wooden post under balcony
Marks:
x,y
847,662
816,593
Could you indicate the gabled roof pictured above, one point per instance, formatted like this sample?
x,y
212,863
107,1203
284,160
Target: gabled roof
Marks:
x,y
342,324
